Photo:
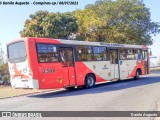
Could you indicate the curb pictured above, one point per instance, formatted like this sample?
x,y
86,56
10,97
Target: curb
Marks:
x,y
34,93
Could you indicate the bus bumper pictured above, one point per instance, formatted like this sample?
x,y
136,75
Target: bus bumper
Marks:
x,y
28,83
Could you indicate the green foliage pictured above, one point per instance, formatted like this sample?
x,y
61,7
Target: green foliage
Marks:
x,y
5,77
122,21
6,80
60,25
4,74
50,25
88,23
118,21
4,69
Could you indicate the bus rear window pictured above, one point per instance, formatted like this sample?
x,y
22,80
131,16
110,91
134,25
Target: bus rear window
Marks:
x,y
17,51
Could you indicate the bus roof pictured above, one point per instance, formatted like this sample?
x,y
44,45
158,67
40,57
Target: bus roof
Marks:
x,y
77,42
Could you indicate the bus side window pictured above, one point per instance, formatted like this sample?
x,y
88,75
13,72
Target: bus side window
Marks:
x,y
138,54
84,53
63,58
113,57
47,53
123,55
145,55
70,58
100,54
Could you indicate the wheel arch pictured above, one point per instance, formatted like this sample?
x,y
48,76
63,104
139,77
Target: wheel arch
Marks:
x,y
139,70
90,74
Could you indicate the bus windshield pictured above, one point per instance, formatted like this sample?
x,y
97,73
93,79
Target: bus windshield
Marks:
x,y
17,51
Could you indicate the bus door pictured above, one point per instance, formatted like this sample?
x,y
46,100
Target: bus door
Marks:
x,y
68,71
145,59
126,62
114,66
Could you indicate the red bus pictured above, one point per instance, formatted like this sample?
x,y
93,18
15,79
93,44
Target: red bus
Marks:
x,y
45,63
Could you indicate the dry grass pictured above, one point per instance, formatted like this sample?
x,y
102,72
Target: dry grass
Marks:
x,y
11,92
155,69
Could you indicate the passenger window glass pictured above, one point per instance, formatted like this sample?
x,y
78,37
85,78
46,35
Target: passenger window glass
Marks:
x,y
84,53
145,55
63,54
138,54
113,56
123,54
100,53
127,54
47,53
130,54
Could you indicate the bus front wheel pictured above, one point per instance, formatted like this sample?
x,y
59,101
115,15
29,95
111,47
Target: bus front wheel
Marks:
x,y
90,81
137,75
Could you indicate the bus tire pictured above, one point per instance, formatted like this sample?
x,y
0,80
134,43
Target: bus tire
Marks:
x,y
90,81
137,75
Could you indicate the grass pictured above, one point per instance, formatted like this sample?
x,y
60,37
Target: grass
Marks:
x,y
8,91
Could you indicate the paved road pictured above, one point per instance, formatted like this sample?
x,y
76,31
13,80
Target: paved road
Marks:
x,y
126,95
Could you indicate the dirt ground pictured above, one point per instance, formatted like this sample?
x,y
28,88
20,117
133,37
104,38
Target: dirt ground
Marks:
x,y
8,91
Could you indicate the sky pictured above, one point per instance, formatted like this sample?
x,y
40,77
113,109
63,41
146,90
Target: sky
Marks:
x,y
12,17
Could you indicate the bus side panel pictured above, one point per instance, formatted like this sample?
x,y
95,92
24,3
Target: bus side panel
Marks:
x,y
127,67
82,70
140,65
50,75
102,69
32,57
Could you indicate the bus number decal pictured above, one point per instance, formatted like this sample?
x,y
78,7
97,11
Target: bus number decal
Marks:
x,y
47,70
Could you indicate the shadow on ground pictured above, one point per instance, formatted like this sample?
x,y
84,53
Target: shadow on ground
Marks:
x,y
101,88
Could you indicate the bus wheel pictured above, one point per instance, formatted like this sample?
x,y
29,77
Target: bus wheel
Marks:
x,y
137,75
90,81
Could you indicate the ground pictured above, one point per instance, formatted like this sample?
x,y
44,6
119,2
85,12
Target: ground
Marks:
x,y
8,91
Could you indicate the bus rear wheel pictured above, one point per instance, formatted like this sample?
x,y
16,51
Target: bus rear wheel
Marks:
x,y
137,75
90,81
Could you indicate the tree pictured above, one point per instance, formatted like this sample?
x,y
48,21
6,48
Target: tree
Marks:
x,y
6,80
124,21
118,21
88,23
4,74
33,26
50,25
4,69
1,55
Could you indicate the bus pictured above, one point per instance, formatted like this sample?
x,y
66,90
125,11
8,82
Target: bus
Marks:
x,y
45,63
